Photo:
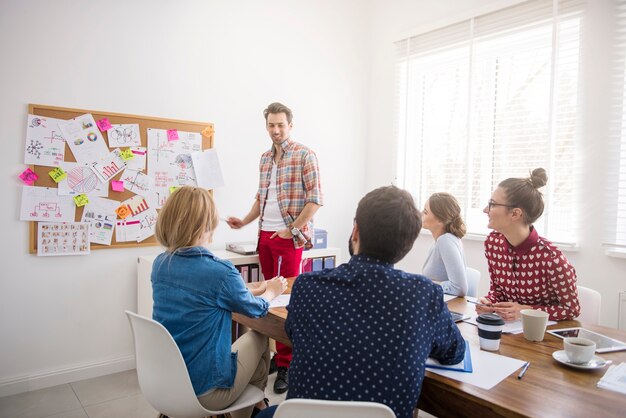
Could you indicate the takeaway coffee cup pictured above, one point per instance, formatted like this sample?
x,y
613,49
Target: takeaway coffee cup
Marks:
x,y
489,331
534,323
579,350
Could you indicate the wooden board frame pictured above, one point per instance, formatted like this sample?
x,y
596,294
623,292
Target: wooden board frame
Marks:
x,y
206,129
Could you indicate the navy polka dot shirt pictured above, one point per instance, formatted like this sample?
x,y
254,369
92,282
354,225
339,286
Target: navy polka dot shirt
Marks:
x,y
363,331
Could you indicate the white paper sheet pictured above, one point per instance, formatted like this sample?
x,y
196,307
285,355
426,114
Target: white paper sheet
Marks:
x,y
489,369
280,301
100,214
108,166
147,223
84,138
81,179
139,161
447,298
169,162
45,144
207,168
127,230
138,182
44,204
124,135
70,238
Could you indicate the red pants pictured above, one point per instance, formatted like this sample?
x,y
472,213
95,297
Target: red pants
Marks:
x,y
269,251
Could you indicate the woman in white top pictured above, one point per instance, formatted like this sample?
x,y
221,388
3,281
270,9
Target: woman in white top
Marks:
x,y
446,261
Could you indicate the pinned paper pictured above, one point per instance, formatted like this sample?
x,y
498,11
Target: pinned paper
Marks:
x,y
103,124
123,212
29,177
107,167
136,205
81,200
173,189
172,135
117,185
57,174
127,154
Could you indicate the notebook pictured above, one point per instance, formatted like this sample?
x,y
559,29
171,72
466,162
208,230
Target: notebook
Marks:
x,y
463,366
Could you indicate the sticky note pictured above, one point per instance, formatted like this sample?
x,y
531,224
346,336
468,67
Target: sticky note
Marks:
x,y
172,135
29,177
123,212
117,185
207,132
127,154
104,124
57,174
81,200
173,189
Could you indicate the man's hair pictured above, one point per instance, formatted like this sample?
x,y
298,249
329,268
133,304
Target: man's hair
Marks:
x,y
276,108
389,223
187,213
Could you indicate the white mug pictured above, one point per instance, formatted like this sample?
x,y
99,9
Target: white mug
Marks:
x,y
579,350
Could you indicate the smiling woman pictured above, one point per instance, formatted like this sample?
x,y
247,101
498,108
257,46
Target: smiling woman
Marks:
x,y
526,270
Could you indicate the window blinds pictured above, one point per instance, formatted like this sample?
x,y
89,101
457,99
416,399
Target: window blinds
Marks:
x,y
490,98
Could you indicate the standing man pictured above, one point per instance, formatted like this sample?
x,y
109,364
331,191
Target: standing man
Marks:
x,y
289,195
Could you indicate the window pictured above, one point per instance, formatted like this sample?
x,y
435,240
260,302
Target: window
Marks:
x,y
615,233
490,98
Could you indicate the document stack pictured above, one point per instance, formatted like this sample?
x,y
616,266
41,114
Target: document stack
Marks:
x,y
614,379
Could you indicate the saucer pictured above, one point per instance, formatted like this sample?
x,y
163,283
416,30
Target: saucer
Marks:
x,y
596,362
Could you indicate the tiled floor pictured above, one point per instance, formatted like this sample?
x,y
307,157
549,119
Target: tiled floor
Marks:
x,y
116,395
113,396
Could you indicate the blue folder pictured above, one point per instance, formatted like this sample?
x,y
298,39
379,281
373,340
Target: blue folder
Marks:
x,y
463,366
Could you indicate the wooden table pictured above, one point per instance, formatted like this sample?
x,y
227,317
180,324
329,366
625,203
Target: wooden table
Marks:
x,y
548,388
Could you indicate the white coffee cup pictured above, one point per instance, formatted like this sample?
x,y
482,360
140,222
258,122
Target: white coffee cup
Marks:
x,y
579,350
534,323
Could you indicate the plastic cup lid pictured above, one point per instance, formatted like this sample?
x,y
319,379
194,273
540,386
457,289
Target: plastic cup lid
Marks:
x,y
489,319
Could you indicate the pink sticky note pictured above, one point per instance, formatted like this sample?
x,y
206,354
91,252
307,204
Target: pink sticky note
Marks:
x,y
117,185
172,135
104,124
28,176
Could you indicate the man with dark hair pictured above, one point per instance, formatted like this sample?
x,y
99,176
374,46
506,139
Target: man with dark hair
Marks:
x,y
289,195
363,331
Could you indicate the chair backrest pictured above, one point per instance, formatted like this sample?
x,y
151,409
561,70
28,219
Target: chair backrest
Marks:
x,y
314,408
161,370
473,278
590,303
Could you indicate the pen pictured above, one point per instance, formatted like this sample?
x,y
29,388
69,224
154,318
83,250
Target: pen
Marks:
x,y
521,374
479,304
280,260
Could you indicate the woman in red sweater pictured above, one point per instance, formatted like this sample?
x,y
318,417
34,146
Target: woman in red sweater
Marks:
x,y
526,270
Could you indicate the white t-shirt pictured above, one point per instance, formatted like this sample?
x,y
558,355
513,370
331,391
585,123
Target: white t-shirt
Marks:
x,y
272,219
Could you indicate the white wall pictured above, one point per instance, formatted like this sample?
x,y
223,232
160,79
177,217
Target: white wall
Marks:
x,y
218,61
401,18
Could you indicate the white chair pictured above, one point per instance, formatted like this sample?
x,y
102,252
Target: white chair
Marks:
x,y
473,278
315,408
163,376
590,302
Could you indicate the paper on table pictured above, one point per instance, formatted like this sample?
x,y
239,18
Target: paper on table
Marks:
x,y
208,169
280,301
614,379
489,369
510,327
448,297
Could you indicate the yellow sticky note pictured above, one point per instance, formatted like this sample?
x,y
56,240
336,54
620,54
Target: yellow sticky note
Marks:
x,y
57,174
81,200
127,154
173,189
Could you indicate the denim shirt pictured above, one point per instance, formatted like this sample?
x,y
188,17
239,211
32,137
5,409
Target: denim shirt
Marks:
x,y
194,296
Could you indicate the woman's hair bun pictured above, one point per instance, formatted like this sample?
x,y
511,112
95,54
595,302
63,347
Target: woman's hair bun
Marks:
x,y
538,178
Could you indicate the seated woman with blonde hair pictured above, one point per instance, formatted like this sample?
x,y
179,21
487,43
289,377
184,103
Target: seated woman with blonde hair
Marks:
x,y
526,270
195,294
446,260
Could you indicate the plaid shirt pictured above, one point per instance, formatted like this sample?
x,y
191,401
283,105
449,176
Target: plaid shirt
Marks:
x,y
297,183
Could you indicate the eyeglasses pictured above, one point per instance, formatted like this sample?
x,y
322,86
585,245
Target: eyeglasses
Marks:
x,y
491,204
